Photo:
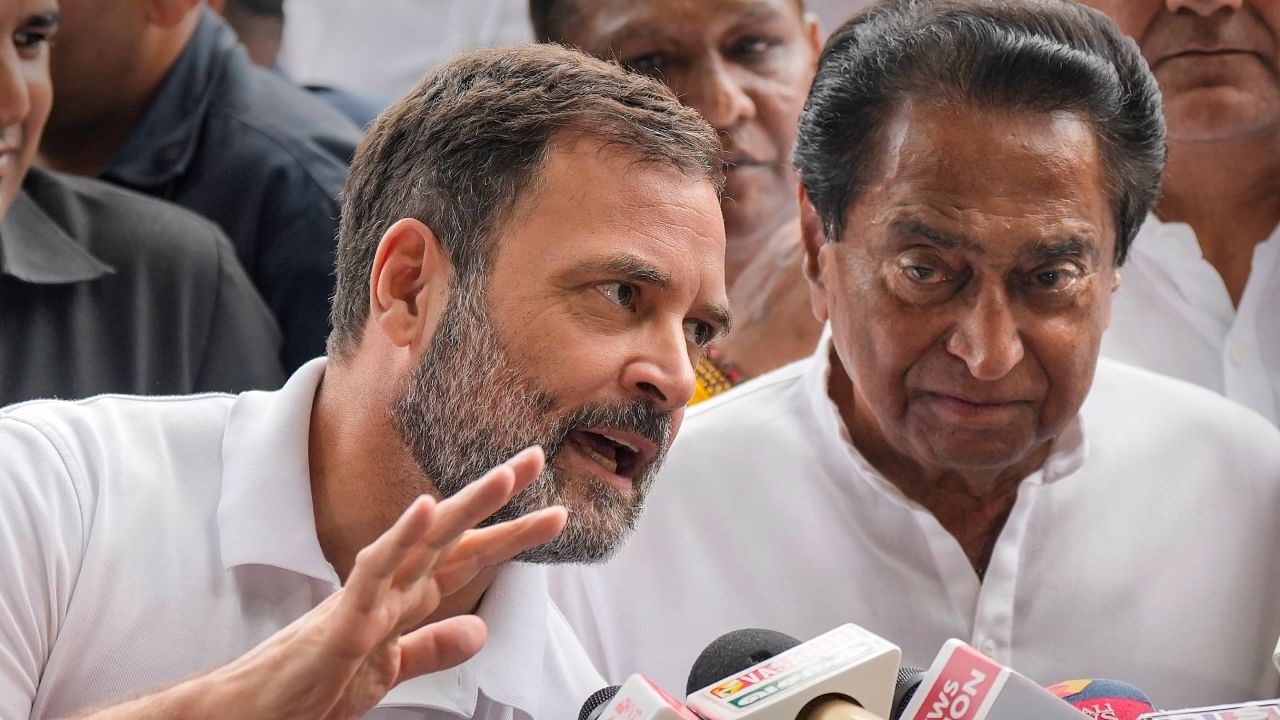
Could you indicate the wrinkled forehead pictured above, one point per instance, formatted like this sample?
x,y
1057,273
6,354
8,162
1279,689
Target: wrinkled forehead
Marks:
x,y
614,20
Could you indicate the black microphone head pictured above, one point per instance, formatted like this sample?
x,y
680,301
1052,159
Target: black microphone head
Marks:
x,y
909,680
734,652
595,704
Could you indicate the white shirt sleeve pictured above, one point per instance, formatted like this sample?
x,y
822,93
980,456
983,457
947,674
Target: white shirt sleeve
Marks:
x,y
41,543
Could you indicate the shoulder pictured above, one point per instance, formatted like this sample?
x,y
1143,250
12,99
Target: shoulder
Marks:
x,y
118,425
282,126
127,229
748,404
1146,411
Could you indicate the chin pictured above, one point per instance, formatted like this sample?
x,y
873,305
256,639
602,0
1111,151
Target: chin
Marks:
x,y
1216,114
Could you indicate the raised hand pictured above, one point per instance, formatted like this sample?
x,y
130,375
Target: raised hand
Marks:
x,y
338,660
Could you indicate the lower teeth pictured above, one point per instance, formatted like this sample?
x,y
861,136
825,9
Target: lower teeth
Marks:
x,y
609,464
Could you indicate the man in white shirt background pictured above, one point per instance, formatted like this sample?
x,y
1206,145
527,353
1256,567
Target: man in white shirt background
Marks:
x,y
531,253
955,461
1200,296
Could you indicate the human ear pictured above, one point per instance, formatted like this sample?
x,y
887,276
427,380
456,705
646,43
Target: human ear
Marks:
x,y
168,13
814,237
814,37
409,283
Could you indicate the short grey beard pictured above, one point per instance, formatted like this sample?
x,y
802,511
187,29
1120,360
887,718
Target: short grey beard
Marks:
x,y
468,407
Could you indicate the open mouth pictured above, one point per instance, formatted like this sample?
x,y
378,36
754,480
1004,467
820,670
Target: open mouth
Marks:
x,y
616,454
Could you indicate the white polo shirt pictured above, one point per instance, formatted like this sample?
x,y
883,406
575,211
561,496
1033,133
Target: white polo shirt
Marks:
x,y
143,540
1172,314
1146,549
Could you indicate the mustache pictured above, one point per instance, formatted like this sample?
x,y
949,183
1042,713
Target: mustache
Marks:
x,y
637,416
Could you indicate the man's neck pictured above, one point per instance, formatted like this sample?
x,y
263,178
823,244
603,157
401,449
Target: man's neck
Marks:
x,y
745,246
1228,191
362,478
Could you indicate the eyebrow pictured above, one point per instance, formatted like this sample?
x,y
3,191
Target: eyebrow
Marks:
x,y
43,20
633,269
1071,246
919,228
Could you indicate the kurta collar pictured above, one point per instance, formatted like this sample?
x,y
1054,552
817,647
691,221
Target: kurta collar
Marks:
x,y
35,249
265,513
508,671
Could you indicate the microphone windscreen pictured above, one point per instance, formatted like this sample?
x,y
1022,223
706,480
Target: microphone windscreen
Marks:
x,y
904,689
1110,699
734,652
596,702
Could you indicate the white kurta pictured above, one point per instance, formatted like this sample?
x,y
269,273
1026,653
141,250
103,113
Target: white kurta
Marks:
x,y
146,539
1146,549
1172,314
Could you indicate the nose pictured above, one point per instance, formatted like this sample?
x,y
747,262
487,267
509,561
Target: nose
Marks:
x,y
718,96
662,372
987,337
1203,8
15,102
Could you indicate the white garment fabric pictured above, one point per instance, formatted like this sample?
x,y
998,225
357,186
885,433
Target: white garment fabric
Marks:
x,y
383,47
1172,314
1145,549
143,540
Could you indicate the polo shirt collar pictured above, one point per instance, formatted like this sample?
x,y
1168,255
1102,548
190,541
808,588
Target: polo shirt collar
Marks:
x,y
508,671
1067,455
35,249
163,143
265,513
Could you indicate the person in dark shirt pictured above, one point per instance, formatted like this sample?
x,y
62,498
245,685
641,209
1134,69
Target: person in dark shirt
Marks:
x,y
260,26
101,289
161,98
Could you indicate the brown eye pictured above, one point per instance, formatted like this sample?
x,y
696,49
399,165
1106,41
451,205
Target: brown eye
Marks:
x,y
624,295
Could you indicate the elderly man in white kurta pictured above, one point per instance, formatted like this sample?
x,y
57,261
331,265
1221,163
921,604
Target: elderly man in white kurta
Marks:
x,y
1200,297
955,461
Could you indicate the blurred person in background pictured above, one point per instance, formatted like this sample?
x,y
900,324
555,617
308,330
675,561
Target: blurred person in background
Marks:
x,y
1200,297
101,289
159,96
381,48
260,26
745,65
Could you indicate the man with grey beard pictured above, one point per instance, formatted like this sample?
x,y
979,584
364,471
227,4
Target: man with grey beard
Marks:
x,y
531,254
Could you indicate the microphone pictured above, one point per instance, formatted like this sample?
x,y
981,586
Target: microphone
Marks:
x,y
596,701
1104,699
964,684
639,698
909,680
844,674
734,652
1262,710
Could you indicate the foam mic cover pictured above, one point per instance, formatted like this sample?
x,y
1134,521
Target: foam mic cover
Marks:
x,y
1104,699
908,683
1261,710
734,652
844,674
595,703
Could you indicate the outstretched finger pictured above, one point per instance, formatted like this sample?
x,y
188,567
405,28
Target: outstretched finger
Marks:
x,y
486,547
440,645
483,497
377,563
